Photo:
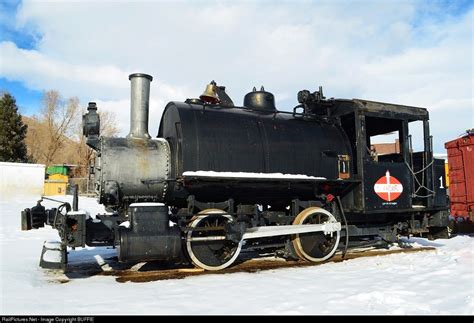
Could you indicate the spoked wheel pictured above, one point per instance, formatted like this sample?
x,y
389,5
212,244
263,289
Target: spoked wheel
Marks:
x,y
315,246
208,248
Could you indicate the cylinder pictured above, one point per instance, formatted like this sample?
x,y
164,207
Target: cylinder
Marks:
x,y
149,237
139,105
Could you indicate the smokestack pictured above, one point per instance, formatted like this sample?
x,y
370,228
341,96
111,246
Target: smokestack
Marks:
x,y
140,105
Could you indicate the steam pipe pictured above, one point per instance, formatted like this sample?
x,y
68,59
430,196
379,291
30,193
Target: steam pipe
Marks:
x,y
139,105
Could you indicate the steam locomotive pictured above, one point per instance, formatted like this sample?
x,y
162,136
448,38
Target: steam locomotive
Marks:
x,y
220,179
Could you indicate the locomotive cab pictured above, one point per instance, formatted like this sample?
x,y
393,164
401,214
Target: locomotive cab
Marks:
x,y
399,182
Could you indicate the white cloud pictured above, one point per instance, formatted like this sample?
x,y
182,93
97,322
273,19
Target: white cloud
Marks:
x,y
38,71
374,50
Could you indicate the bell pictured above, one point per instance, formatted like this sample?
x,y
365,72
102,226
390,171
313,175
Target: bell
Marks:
x,y
210,94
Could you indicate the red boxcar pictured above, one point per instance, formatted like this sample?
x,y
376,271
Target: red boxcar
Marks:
x,y
461,176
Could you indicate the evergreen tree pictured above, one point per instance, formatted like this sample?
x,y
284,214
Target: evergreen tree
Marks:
x,y
12,131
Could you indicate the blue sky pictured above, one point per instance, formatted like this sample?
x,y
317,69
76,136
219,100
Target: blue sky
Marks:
x,y
27,100
411,52
22,37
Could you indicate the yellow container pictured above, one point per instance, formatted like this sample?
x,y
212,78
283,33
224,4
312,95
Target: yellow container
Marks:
x,y
55,185
54,188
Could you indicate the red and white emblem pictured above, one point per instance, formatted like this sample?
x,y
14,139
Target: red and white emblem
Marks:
x,y
388,188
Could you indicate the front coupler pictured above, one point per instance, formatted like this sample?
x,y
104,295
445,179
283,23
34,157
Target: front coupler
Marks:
x,y
148,235
75,229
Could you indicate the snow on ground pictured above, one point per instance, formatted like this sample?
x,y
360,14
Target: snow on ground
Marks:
x,y
432,282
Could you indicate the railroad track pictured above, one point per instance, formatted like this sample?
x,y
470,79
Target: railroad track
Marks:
x,y
152,271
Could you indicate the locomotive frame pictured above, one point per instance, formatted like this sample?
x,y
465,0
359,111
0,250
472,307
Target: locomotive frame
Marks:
x,y
220,179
